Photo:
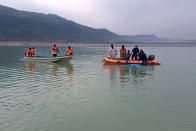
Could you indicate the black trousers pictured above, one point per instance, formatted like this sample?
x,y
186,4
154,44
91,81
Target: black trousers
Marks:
x,y
145,61
134,56
127,60
54,55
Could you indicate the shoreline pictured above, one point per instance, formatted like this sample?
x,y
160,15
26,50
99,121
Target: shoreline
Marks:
x,y
36,44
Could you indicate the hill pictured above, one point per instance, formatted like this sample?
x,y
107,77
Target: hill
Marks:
x,y
17,25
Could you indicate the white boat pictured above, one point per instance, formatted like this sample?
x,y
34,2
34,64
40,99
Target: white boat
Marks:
x,y
48,59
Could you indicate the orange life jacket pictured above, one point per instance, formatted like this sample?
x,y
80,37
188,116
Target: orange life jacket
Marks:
x,y
54,50
122,52
33,52
27,53
69,51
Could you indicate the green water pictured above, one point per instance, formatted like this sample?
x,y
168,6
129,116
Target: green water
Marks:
x,y
86,95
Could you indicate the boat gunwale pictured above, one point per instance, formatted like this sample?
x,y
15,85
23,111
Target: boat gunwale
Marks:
x,y
132,61
48,59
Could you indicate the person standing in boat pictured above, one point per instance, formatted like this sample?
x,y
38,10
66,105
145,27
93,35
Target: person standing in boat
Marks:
x,y
113,52
123,52
54,50
69,51
128,55
135,52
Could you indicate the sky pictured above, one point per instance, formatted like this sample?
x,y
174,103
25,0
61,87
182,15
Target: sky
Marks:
x,y
174,19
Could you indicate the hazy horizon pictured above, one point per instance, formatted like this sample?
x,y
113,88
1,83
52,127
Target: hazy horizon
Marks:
x,y
170,19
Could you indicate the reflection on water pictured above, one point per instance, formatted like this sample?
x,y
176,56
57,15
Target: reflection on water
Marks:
x,y
57,66
91,96
31,67
59,71
140,74
54,70
67,65
134,74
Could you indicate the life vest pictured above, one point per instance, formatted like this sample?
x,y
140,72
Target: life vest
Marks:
x,y
69,51
33,52
122,52
54,50
27,53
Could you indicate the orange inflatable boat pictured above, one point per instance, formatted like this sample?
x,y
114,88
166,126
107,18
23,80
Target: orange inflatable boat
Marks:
x,y
109,60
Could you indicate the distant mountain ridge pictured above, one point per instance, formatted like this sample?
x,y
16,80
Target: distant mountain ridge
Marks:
x,y
16,25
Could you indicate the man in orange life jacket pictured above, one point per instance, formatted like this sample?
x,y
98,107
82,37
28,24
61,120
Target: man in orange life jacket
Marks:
x,y
69,51
54,50
33,51
28,53
123,52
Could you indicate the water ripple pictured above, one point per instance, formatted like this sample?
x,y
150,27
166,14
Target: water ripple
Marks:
x,y
86,94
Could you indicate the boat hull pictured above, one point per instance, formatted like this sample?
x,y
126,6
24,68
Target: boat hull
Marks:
x,y
108,60
49,59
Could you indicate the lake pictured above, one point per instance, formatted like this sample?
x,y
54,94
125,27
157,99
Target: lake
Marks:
x,y
86,95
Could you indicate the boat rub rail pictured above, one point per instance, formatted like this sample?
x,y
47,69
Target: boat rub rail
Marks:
x,y
109,60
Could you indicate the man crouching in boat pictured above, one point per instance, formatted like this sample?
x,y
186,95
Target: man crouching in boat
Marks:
x,y
69,51
143,57
28,53
54,50
33,51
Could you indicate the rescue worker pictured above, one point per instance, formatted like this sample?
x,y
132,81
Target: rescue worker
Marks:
x,y
135,52
128,55
69,51
140,54
123,52
54,50
113,51
144,58
33,51
28,53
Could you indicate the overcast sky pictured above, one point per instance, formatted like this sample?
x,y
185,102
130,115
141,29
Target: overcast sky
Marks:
x,y
164,18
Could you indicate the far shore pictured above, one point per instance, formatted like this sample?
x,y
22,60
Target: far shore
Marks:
x,y
36,44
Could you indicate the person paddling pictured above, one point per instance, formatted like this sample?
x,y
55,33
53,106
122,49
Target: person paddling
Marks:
x,y
69,51
54,50
113,52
